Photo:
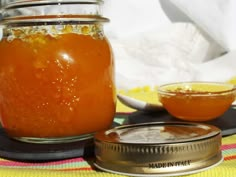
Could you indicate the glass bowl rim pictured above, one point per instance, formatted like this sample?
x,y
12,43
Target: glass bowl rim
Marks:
x,y
163,91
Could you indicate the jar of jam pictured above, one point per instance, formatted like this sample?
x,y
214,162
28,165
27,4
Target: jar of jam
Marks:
x,y
56,71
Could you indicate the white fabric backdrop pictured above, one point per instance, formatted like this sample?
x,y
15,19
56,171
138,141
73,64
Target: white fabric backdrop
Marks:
x,y
161,41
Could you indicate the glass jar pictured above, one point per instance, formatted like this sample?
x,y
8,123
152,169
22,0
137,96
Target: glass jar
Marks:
x,y
56,71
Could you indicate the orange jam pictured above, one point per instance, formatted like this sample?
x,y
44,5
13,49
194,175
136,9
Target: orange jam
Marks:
x,y
194,105
56,84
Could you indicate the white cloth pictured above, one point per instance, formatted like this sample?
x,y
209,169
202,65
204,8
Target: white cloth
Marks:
x,y
220,69
216,17
168,56
160,41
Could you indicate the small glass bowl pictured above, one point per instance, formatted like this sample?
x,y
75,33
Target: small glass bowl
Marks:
x,y
197,101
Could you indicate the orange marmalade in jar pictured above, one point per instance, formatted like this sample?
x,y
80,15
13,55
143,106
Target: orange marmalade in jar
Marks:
x,y
56,71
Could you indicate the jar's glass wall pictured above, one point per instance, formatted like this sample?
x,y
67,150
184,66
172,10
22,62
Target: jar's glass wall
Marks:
x,y
59,81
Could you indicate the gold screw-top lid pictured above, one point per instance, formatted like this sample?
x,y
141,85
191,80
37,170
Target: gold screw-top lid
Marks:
x,y
158,148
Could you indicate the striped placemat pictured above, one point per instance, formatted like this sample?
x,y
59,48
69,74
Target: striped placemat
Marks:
x,y
84,167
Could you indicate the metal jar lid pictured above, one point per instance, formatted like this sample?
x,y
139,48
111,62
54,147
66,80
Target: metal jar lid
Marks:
x,y
158,149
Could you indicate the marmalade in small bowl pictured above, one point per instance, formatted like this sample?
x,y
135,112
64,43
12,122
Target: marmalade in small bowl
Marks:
x,y
197,101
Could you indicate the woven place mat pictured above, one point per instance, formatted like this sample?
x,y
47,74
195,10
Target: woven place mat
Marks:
x,y
84,167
